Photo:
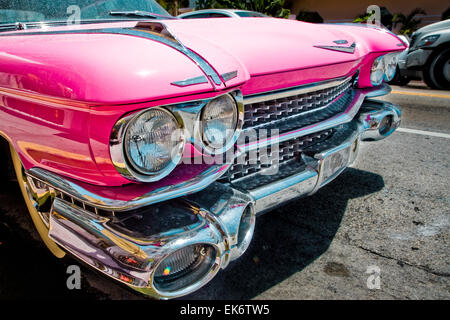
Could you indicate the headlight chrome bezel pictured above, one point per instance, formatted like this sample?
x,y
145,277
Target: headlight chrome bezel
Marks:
x,y
120,155
380,68
237,100
388,59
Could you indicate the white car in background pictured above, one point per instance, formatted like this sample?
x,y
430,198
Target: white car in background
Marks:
x,y
221,13
428,56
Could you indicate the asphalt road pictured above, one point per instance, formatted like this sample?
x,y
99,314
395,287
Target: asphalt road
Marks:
x,y
379,231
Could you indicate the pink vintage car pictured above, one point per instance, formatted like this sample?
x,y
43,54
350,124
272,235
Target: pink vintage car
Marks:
x,y
146,145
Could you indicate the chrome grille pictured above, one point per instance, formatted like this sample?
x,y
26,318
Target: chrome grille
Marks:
x,y
276,111
259,161
285,111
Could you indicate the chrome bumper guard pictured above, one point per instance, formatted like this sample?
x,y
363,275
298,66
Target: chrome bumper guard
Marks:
x,y
129,246
122,248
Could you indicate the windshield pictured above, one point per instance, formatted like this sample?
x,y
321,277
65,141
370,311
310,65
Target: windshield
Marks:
x,y
74,11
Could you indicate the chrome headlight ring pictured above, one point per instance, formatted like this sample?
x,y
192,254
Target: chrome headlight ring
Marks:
x,y
120,153
390,65
377,71
191,113
200,138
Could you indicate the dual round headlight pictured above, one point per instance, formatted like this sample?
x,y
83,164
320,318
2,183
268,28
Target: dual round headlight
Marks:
x,y
218,123
383,68
390,65
148,145
153,144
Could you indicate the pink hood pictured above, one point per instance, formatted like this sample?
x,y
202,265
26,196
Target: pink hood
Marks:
x,y
115,68
280,53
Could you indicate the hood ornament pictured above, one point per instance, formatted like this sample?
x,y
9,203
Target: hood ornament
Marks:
x,y
349,49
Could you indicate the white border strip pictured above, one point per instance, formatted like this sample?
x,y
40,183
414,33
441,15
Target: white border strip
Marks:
x,y
425,133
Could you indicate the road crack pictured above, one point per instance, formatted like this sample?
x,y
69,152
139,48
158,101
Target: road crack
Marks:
x,y
426,269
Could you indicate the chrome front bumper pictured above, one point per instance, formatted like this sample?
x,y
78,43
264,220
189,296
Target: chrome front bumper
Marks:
x,y
123,251
375,121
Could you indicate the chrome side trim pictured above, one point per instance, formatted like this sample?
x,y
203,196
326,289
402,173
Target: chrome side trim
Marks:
x,y
160,32
279,94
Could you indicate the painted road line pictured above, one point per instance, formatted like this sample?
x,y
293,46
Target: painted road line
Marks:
x,y
422,94
425,133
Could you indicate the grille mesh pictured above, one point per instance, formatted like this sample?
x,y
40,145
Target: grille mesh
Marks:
x,y
274,112
259,160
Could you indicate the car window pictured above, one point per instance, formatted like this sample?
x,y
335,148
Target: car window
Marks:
x,y
249,14
206,15
218,15
12,11
196,16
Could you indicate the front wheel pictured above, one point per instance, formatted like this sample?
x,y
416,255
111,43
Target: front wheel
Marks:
x,y
437,75
31,203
